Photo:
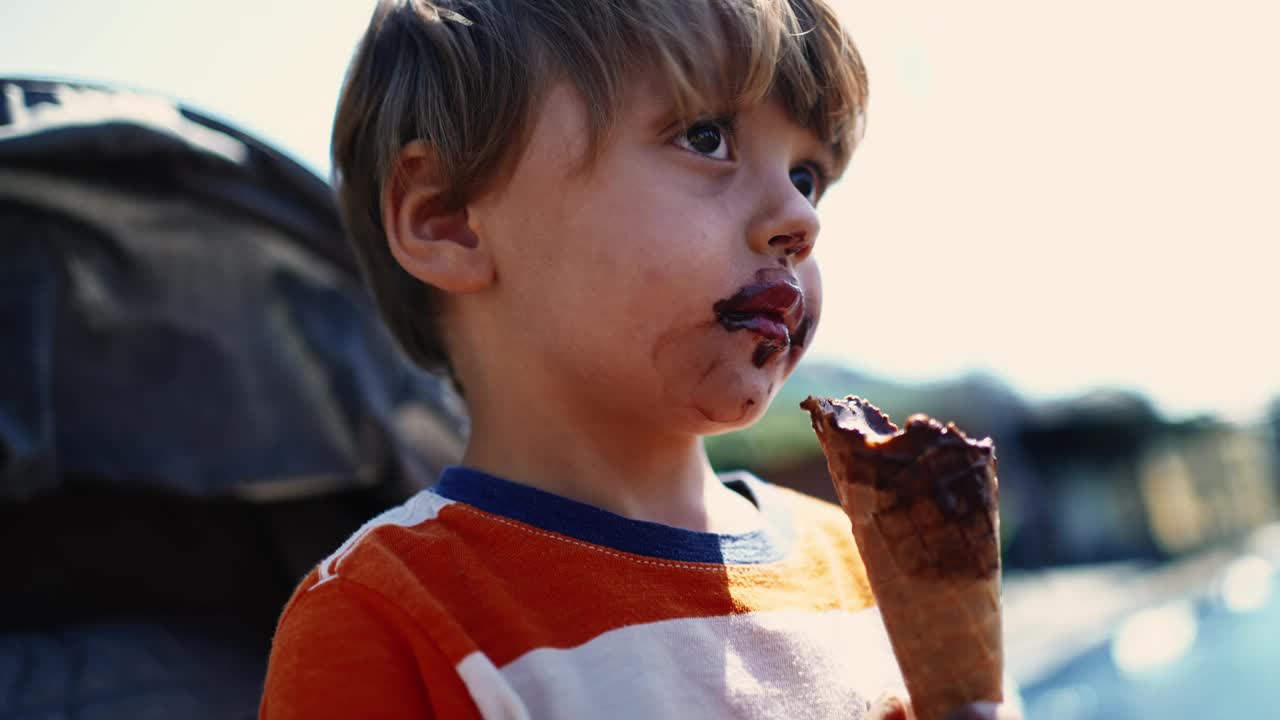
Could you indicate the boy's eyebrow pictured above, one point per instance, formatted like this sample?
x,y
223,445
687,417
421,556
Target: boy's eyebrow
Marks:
x,y
668,116
665,121
825,156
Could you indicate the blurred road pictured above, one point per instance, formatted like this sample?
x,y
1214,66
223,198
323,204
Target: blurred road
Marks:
x,y
1199,638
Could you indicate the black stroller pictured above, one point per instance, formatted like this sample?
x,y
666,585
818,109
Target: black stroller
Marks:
x,y
197,403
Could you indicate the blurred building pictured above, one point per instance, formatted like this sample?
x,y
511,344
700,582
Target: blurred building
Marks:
x,y
1093,479
1207,482
1086,456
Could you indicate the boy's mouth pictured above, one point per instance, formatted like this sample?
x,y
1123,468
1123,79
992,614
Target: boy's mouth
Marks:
x,y
772,307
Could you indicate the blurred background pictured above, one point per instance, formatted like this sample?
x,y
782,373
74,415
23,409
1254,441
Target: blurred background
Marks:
x,y
1060,232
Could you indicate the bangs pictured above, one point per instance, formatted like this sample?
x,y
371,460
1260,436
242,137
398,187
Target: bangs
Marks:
x,y
738,54
715,54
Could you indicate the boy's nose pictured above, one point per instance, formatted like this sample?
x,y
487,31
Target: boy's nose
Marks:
x,y
792,244
787,226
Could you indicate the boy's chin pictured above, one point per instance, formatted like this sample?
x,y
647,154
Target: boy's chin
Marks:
x,y
724,386
744,421
734,398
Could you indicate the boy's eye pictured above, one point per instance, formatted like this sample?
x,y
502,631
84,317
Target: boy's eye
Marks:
x,y
806,180
705,138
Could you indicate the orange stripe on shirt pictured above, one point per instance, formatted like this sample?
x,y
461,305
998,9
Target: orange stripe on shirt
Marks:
x,y
486,582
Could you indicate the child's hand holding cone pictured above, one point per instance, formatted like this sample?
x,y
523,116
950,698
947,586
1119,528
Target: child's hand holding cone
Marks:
x,y
893,708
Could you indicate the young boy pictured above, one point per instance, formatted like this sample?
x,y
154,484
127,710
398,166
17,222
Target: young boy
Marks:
x,y
598,216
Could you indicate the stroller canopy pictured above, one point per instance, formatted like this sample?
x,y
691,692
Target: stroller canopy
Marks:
x,y
179,312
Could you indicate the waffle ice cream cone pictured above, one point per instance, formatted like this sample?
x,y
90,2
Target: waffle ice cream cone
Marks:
x,y
923,502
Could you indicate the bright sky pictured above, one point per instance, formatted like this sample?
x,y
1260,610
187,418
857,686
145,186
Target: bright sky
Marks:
x,y
1067,195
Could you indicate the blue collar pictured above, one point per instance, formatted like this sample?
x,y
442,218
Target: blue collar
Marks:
x,y
591,524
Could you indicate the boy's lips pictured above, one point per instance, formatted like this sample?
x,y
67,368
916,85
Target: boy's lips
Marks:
x,y
772,307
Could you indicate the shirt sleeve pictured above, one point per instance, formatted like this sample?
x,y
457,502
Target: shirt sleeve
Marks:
x,y
342,651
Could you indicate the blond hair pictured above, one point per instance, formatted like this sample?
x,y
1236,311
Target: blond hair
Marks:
x,y
464,75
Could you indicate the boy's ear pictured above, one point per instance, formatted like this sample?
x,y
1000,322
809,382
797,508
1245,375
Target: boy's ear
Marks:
x,y
429,236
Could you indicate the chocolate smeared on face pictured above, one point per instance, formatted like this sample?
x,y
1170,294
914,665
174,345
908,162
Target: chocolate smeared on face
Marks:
x,y
764,351
703,373
801,336
772,307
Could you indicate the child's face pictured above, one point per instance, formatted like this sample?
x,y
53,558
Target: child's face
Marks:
x,y
669,282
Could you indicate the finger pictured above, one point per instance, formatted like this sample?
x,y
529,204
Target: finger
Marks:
x,y
889,707
984,710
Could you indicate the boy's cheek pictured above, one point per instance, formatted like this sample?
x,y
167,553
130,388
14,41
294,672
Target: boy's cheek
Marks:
x,y
811,282
810,278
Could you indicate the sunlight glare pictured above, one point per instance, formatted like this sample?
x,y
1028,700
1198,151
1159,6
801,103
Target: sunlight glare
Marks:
x,y
1154,637
1247,584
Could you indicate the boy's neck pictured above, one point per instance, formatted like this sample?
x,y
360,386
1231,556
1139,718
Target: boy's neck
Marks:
x,y
665,480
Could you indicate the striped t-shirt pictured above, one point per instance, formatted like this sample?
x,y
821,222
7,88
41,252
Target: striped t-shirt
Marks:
x,y
483,598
